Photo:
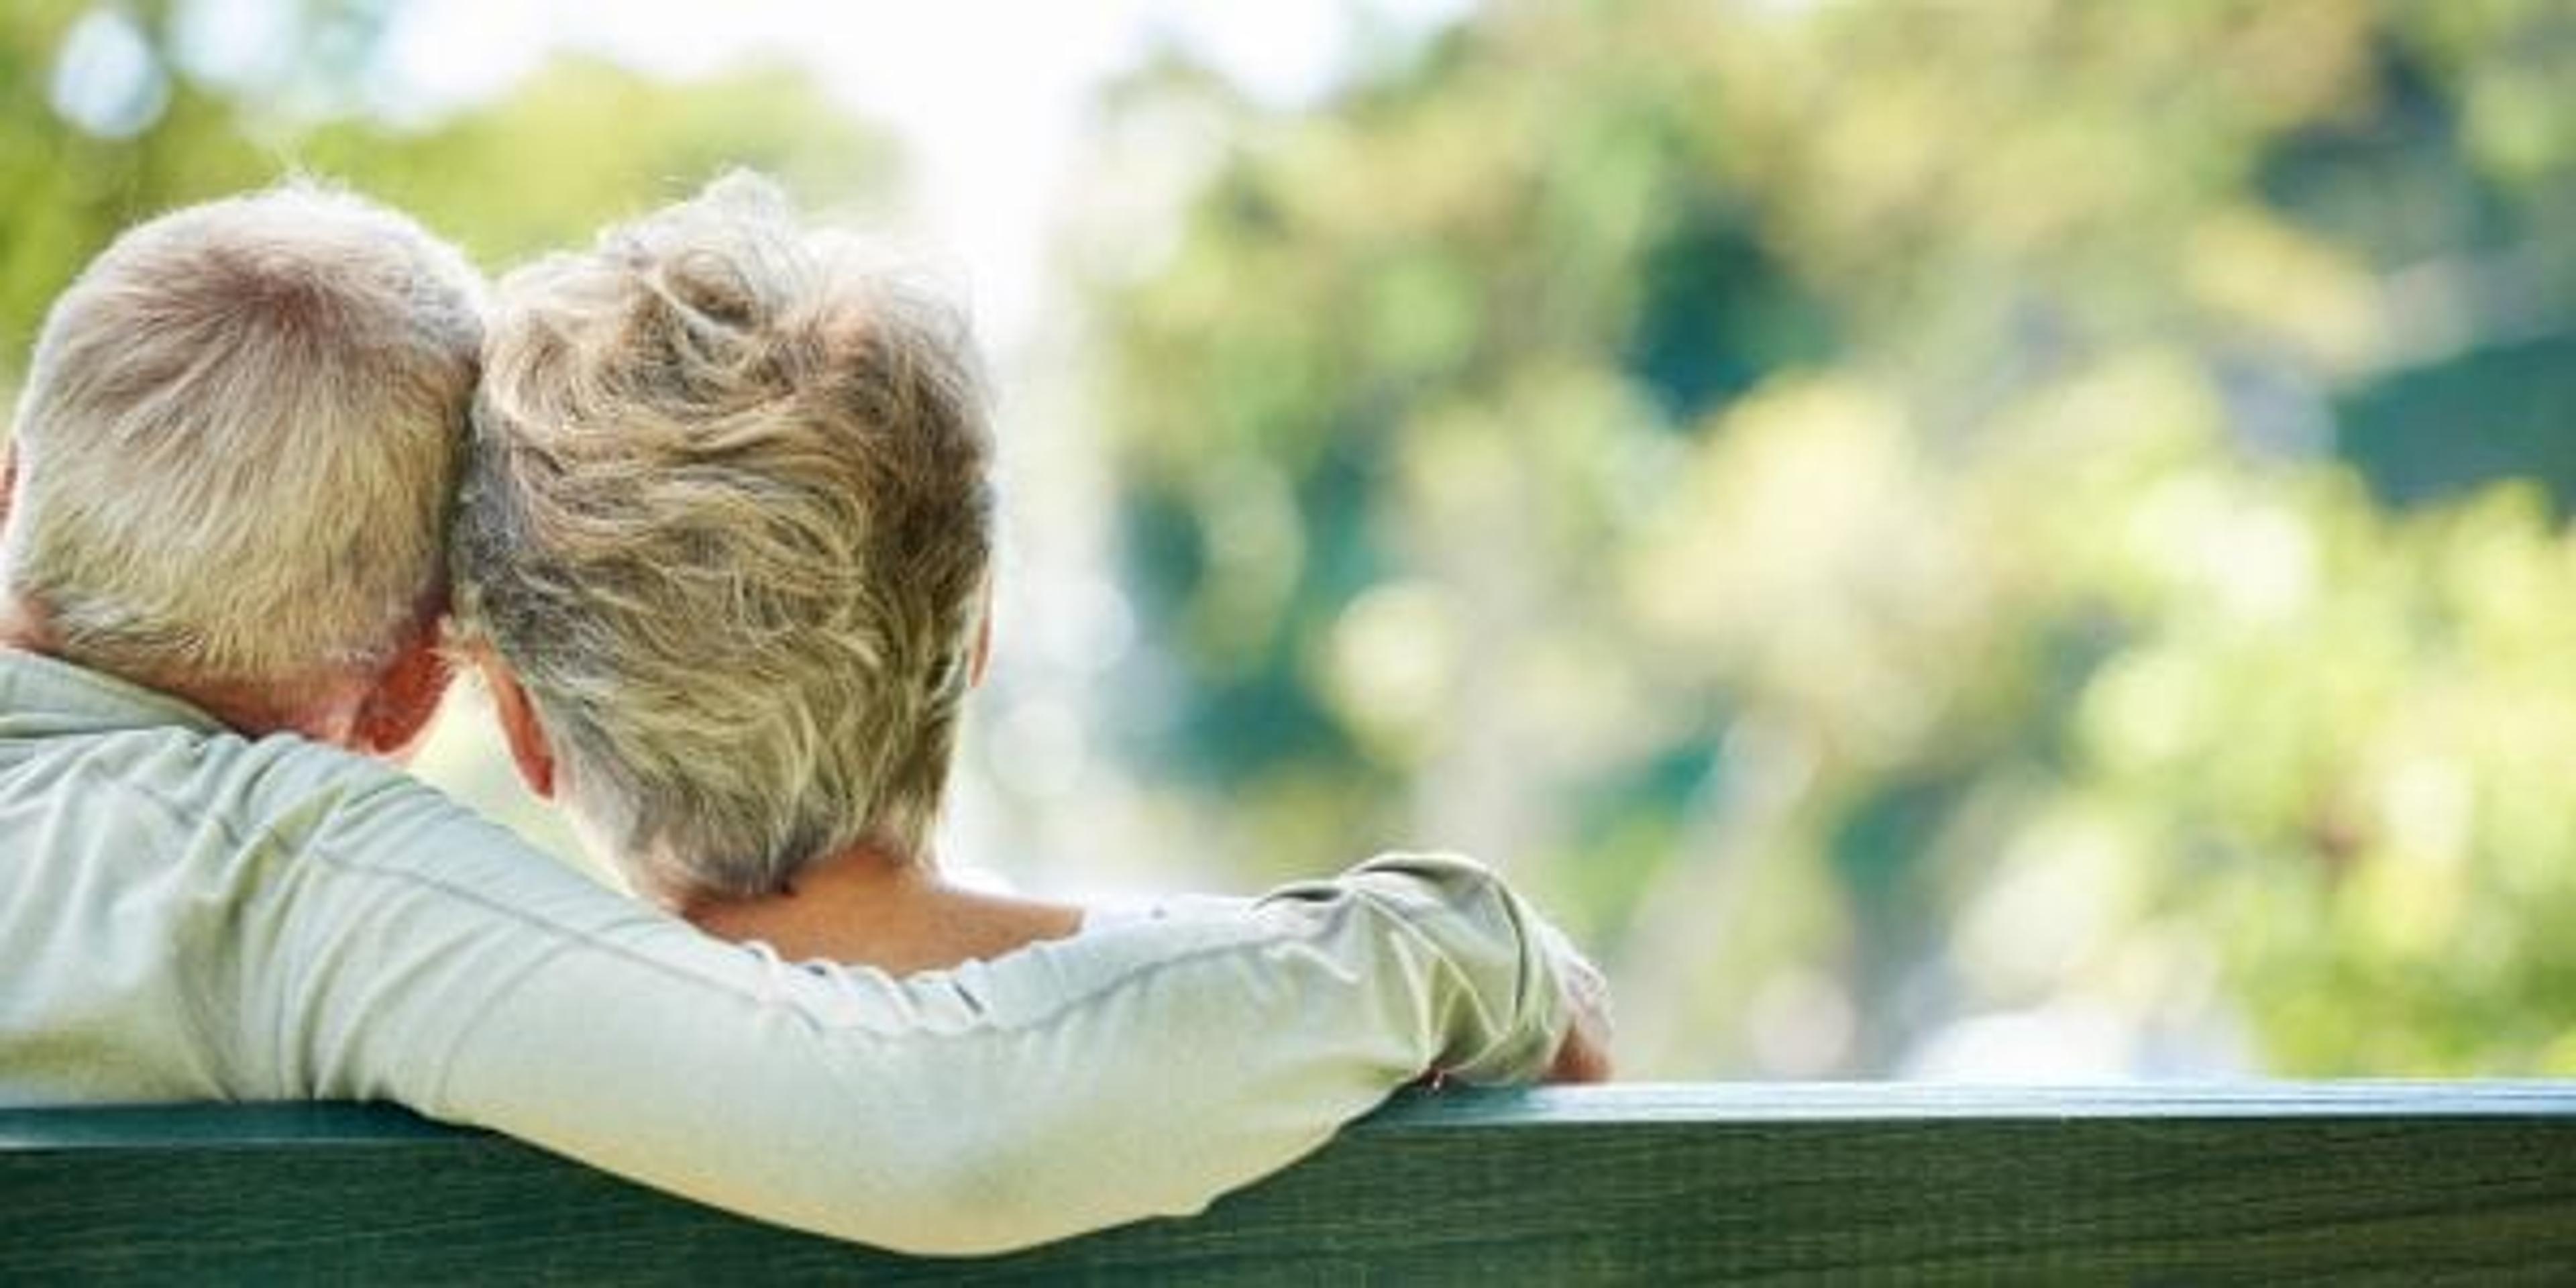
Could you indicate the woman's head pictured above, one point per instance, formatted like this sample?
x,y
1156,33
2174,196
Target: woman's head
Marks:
x,y
727,518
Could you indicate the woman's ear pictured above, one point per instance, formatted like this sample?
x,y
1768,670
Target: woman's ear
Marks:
x,y
983,638
529,748
397,711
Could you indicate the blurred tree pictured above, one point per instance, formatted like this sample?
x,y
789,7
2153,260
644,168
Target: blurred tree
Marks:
x,y
2025,534
107,117
1887,512
104,121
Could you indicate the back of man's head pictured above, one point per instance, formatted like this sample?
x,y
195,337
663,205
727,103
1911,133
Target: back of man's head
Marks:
x,y
237,442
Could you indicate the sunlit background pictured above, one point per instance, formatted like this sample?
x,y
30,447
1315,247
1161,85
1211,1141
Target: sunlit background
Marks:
x,y
1998,540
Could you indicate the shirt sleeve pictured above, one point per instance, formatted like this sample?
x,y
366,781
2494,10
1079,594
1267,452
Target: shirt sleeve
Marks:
x,y
1137,1071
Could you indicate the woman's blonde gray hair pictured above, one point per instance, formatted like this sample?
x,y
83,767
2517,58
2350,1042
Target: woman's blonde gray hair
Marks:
x,y
728,516
238,441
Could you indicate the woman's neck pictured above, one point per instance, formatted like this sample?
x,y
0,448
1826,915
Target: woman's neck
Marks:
x,y
867,907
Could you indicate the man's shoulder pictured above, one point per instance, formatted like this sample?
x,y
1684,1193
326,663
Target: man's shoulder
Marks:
x,y
282,783
218,796
98,752
200,906
340,807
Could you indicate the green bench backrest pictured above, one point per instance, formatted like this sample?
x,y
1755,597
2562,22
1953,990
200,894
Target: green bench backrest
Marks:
x,y
1639,1184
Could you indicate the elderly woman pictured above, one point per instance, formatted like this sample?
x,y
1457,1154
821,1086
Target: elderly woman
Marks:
x,y
726,528
723,554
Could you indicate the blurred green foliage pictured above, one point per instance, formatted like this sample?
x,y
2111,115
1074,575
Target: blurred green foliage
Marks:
x,y
2020,536
2017,536
578,144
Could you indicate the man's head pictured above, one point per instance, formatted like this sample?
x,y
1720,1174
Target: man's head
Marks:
x,y
236,446
726,521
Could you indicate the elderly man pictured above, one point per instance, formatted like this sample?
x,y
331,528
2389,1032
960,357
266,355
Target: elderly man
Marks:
x,y
219,578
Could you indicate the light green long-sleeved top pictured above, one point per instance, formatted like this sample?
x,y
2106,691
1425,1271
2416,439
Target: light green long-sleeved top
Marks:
x,y
189,914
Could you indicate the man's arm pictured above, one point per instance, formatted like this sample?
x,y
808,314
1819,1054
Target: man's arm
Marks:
x,y
1079,1084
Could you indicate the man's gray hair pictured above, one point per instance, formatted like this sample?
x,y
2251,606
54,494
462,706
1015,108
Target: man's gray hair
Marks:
x,y
727,514
239,437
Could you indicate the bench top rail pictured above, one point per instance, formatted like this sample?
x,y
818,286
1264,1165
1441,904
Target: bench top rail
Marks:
x,y
1649,1184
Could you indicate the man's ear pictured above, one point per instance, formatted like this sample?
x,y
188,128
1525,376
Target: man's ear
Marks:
x,y
529,748
397,711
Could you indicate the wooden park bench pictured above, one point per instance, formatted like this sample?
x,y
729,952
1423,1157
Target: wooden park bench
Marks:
x,y
2265,1183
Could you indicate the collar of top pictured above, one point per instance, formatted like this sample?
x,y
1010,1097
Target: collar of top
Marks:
x,y
44,697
